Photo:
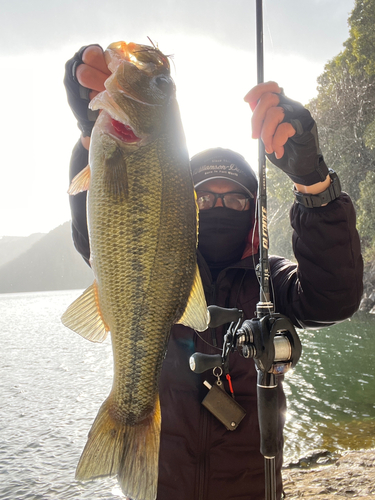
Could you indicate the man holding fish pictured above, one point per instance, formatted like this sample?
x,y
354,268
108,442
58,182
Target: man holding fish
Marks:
x,y
138,161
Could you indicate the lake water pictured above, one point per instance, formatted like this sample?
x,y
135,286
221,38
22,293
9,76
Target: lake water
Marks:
x,y
53,382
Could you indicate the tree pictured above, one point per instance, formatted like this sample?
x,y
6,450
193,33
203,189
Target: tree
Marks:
x,y
344,110
366,212
361,43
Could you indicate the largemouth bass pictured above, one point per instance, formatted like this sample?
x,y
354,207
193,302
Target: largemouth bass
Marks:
x,y
142,221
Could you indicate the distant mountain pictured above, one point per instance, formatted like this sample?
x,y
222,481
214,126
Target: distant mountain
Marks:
x,y
13,246
50,262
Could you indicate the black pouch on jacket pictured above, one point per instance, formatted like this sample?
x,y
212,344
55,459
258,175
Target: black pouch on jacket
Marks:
x,y
223,407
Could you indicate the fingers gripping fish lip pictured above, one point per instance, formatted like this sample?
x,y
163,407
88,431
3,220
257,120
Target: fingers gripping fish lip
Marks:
x,y
130,63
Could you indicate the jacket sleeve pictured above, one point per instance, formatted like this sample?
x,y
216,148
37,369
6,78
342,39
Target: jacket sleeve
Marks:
x,y
327,283
78,162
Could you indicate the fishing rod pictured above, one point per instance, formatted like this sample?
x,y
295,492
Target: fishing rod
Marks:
x,y
270,338
266,382
264,305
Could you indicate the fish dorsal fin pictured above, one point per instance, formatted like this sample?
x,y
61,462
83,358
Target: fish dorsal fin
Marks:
x,y
196,315
83,316
81,182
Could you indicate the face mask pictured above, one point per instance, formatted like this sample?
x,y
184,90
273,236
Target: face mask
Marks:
x,y
222,235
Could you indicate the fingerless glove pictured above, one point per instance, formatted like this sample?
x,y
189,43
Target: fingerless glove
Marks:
x,y
302,160
78,96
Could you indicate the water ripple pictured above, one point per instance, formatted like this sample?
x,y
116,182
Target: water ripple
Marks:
x,y
53,382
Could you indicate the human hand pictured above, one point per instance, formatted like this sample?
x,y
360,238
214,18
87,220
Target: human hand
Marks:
x,y
85,75
288,132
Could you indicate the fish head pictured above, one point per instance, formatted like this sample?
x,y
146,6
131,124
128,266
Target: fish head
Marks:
x,y
144,57
140,94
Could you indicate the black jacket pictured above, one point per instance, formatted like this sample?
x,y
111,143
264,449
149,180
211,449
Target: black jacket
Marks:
x,y
199,458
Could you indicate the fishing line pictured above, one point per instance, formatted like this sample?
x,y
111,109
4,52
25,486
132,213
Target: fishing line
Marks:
x,y
268,27
206,342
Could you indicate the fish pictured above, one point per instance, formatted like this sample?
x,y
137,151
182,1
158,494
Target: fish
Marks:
x,y
143,229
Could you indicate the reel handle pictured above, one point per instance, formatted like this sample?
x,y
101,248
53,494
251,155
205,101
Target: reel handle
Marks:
x,y
199,362
221,315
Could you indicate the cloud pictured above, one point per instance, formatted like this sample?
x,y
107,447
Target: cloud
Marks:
x,y
311,28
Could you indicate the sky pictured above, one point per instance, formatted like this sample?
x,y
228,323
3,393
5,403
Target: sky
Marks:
x,y
214,66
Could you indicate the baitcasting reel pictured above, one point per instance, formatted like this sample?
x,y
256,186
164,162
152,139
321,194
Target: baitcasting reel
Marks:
x,y
271,341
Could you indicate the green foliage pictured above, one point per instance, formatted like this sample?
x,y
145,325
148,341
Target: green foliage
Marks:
x,y
361,43
344,110
366,212
369,135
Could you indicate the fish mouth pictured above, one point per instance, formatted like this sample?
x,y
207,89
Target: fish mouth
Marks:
x,y
123,132
114,121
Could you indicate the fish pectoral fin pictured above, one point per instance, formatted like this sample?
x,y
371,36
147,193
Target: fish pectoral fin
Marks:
x,y
196,315
83,316
81,182
116,176
129,450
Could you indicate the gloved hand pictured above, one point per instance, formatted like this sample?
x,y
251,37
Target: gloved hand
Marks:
x,y
78,83
289,134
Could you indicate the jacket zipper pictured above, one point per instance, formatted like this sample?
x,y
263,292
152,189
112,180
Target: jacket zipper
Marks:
x,y
203,456
205,421
204,434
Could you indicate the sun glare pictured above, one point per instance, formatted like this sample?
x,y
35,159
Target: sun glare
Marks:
x,y
210,91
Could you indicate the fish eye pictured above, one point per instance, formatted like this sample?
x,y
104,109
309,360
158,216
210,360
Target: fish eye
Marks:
x,y
163,83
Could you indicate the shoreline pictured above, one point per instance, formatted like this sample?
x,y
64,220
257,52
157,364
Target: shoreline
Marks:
x,y
352,475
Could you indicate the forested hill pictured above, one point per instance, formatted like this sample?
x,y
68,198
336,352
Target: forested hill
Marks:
x,y
344,110
43,262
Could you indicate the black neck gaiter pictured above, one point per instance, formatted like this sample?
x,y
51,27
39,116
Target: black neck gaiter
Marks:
x,y
222,235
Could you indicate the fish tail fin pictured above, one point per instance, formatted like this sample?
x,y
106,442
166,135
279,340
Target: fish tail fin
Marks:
x,y
130,451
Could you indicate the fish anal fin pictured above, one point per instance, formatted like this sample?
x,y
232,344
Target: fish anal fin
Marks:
x,y
130,451
196,315
81,182
84,317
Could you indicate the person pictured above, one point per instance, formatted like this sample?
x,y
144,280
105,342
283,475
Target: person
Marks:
x,y
199,457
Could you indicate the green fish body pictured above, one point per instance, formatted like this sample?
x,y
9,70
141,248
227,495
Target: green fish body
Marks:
x,y
142,221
